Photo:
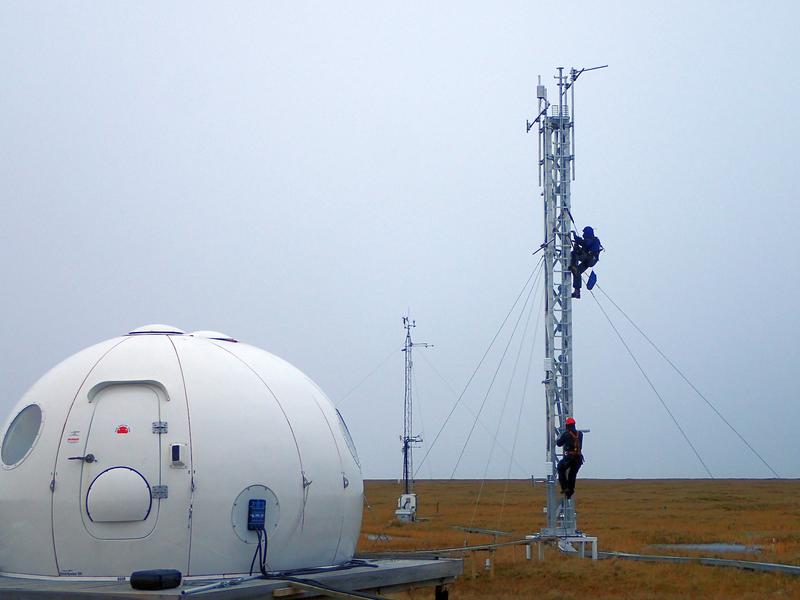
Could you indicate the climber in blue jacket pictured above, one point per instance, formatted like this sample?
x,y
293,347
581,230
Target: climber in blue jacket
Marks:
x,y
585,254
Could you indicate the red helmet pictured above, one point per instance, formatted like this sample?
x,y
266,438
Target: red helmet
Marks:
x,y
570,421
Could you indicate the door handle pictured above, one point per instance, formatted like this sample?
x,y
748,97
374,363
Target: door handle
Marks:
x,y
89,458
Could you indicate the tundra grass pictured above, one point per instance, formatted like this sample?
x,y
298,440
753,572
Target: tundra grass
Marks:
x,y
626,516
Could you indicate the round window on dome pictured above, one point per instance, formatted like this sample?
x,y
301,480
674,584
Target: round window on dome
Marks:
x,y
21,435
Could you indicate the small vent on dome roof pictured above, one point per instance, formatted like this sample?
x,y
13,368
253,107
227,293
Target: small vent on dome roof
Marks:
x,y
157,328
213,335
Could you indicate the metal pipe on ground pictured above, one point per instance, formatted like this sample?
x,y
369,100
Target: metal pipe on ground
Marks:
x,y
712,562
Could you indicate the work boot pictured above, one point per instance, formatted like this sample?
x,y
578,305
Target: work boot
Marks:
x,y
576,293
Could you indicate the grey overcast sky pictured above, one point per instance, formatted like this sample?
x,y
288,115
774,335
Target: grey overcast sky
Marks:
x,y
299,175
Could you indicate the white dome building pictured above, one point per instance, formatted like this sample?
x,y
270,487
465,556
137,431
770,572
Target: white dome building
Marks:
x,y
143,452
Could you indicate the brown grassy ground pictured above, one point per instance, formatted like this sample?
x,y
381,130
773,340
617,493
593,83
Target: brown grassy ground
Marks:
x,y
626,515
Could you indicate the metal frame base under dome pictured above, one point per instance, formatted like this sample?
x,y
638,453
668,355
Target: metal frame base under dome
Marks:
x,y
384,576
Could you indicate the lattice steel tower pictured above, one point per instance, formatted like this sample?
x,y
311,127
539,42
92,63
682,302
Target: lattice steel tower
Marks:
x,y
407,503
556,171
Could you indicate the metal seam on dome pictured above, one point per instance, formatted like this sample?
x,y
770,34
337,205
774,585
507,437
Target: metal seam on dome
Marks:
x,y
191,452
61,436
288,422
341,470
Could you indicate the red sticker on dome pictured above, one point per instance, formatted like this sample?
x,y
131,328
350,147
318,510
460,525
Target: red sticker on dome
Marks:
x,y
123,429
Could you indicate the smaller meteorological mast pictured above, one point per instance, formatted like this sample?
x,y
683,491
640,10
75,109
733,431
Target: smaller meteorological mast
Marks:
x,y
556,170
407,503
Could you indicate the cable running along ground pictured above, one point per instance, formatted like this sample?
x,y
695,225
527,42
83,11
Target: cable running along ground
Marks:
x,y
691,385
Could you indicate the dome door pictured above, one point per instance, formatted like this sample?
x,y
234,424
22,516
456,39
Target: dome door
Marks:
x,y
121,478
106,488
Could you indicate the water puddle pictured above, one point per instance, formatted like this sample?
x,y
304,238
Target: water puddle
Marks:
x,y
714,547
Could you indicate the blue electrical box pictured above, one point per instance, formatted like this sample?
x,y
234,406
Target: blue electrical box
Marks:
x,y
256,514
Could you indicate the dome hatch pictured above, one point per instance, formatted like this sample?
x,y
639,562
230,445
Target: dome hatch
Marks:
x,y
214,335
157,328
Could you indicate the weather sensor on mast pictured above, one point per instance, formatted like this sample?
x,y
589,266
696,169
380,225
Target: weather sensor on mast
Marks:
x,y
556,170
407,503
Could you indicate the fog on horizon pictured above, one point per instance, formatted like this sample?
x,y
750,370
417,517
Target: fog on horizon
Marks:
x,y
302,175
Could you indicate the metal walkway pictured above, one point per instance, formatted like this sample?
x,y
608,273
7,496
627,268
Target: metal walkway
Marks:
x,y
385,576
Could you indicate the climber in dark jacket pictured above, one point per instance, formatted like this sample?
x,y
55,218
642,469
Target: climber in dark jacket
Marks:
x,y
570,464
585,254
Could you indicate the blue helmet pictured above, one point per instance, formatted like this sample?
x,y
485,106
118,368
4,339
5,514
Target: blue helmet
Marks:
x,y
588,231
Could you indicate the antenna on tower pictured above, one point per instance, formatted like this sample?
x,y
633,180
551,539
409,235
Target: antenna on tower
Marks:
x,y
556,149
407,503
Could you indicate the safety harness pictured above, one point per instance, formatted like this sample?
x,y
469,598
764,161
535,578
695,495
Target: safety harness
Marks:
x,y
576,444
